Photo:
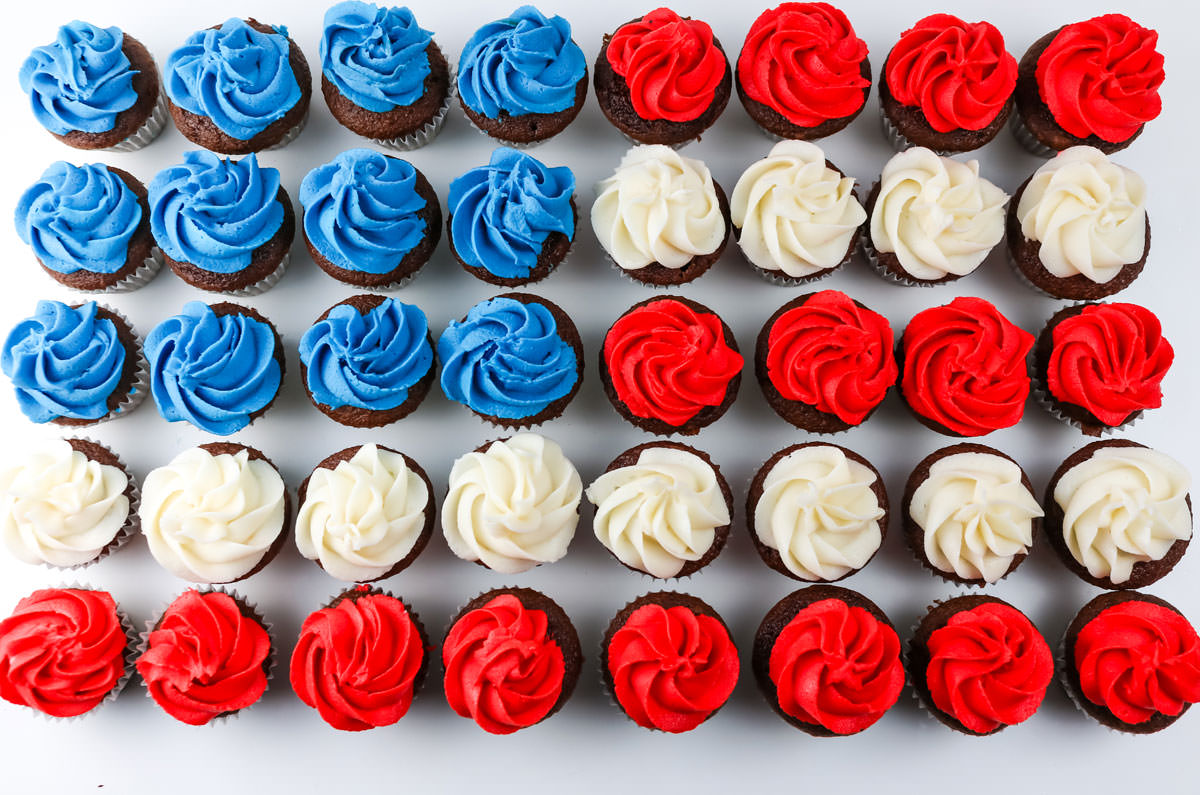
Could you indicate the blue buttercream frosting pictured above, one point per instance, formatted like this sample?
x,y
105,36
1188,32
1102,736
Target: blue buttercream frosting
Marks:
x,y
214,212
79,218
504,211
361,210
522,64
368,361
234,75
506,359
63,362
375,56
81,81
212,371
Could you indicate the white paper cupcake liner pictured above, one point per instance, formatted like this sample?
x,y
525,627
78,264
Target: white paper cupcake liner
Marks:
x,y
783,280
136,280
899,142
290,135
150,128
1041,394
263,284
872,256
426,134
1027,139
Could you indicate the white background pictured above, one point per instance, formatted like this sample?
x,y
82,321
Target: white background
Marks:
x,y
132,746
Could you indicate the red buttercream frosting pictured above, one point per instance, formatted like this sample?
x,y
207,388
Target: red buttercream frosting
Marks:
x,y
1110,359
989,667
964,367
804,61
62,651
1101,77
832,354
672,65
671,668
958,73
205,659
836,666
503,669
1138,659
356,663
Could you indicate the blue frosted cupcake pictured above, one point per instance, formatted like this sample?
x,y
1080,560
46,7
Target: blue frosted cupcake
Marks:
x,y
238,87
516,360
370,220
368,361
522,79
512,221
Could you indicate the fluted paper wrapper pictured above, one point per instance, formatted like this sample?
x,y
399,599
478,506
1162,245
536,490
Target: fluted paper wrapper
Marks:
x,y
150,128
423,136
1027,139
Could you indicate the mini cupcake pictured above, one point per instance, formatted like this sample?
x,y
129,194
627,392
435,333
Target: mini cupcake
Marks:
x,y
670,365
668,661
370,220
947,85
663,509
827,660
234,493
511,659
825,362
95,88
218,367
662,78
515,360
366,513
817,512
522,79
1078,228
962,368
1119,514
382,75
803,72
512,504
931,219
238,87
512,221
223,225
979,664
1091,83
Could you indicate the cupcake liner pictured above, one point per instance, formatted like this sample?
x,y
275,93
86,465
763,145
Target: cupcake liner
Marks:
x,y
290,135
626,274
1021,277
136,280
772,277
501,142
872,256
426,134
1027,139
150,128
899,142
675,146
263,284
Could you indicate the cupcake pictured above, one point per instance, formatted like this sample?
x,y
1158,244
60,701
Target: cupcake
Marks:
x,y
382,75
661,218
1132,662
511,659
668,661
218,367
238,87
962,368
817,512
95,88
970,515
663,509
827,660
74,365
66,503
662,78
795,215
931,219
223,225
1078,228
234,493
360,660
366,513
979,664
512,504
1091,83
370,220
825,362
208,656
512,221
670,365
1119,514
803,72
515,360
522,79
89,227
946,85
368,361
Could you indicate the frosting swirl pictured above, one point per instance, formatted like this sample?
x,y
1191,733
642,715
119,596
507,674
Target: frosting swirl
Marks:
x,y
375,56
